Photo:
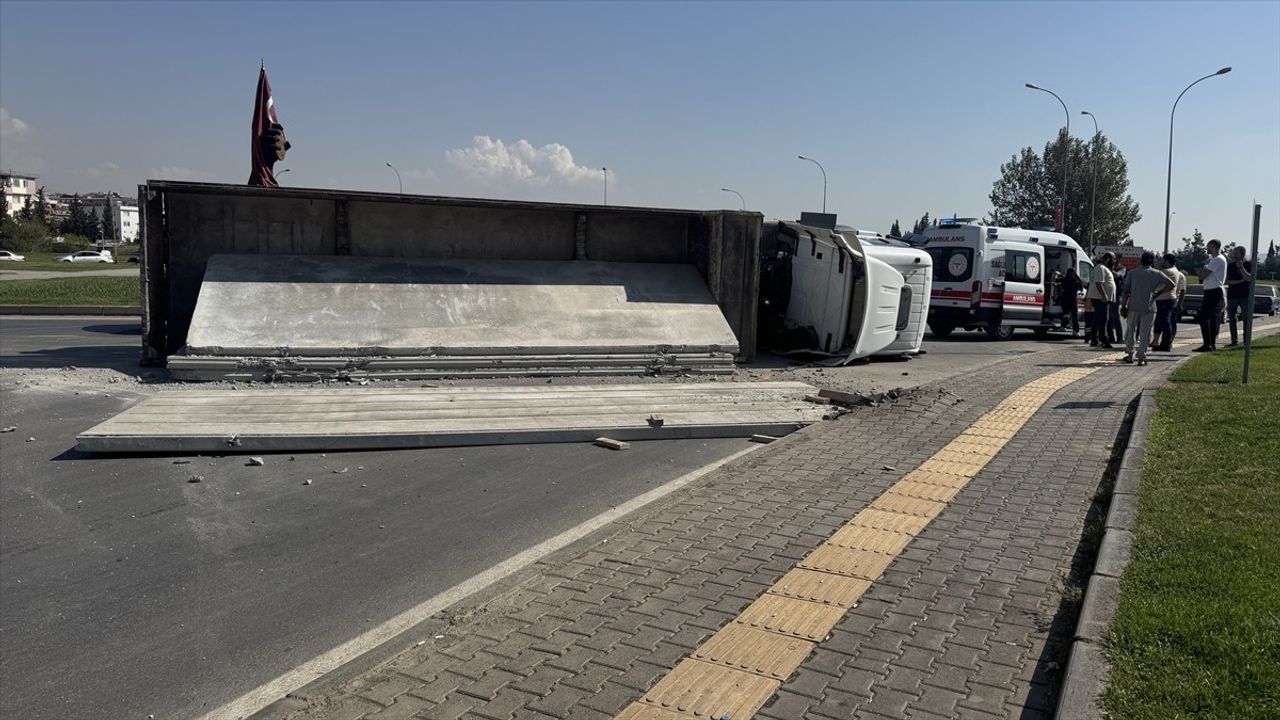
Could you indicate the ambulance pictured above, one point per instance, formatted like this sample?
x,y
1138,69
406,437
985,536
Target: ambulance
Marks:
x,y
996,280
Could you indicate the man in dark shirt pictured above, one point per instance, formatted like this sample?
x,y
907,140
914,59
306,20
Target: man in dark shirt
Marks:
x,y
1238,276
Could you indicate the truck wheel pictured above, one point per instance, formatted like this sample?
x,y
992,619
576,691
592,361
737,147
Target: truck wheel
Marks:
x,y
941,329
996,331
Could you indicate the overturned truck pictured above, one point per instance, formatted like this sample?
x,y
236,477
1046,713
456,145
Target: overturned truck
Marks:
x,y
294,284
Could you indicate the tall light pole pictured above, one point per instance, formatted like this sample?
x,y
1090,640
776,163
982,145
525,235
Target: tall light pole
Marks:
x,y
605,170
398,181
1168,187
735,192
1093,195
824,181
1066,157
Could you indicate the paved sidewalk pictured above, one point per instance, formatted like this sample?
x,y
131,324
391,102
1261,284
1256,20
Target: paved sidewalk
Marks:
x,y
972,619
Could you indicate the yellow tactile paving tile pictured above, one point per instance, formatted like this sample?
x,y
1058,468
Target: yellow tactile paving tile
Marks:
x,y
937,493
846,561
821,587
861,537
790,616
642,711
946,454
930,477
704,690
952,467
969,445
907,505
756,651
896,521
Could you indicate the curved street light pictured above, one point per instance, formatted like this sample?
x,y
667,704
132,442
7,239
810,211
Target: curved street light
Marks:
x,y
824,181
735,192
1168,187
1093,194
1066,157
398,181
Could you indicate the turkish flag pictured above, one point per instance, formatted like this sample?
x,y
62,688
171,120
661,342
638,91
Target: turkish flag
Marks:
x,y
264,119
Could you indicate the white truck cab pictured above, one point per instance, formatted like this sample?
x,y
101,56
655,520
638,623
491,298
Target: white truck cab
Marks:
x,y
916,267
998,279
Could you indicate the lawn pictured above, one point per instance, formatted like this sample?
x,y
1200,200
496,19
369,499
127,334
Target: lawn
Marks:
x,y
1197,634
49,261
71,291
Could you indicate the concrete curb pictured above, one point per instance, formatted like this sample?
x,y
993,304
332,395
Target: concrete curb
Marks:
x,y
70,310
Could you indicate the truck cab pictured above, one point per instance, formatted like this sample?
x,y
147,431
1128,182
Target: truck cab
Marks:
x,y
997,279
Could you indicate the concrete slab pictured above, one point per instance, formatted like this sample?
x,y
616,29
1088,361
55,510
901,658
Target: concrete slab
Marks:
x,y
301,305
367,418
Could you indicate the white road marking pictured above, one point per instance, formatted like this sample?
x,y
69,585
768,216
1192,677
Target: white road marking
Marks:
x,y
265,694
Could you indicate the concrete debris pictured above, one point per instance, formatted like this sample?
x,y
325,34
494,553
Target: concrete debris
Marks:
x,y
890,468
763,439
195,479
233,441
8,429
307,481
31,439
655,421
817,399
612,444
181,462
256,462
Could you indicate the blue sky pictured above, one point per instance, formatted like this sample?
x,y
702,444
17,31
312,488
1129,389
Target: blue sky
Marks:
x,y
910,106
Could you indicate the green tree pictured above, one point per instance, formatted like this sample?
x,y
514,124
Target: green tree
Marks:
x,y
1193,254
895,231
921,225
1029,189
1271,266
42,207
79,221
108,227
22,234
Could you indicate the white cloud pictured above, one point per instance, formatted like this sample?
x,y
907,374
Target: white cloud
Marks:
x,y
493,160
98,170
178,173
11,126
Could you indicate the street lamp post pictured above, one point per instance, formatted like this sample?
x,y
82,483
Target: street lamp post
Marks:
x,y
1066,157
398,180
824,181
1168,187
605,170
1093,194
735,192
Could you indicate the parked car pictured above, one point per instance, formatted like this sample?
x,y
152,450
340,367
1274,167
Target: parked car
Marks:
x,y
1266,300
11,257
88,256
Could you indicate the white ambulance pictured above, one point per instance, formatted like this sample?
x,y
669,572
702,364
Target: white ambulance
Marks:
x,y
997,279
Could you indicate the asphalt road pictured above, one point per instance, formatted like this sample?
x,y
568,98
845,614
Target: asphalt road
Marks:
x,y
128,591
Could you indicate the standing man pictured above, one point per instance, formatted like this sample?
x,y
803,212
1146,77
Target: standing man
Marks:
x,y
1068,299
1102,293
1239,275
1138,305
1214,276
1115,325
1169,303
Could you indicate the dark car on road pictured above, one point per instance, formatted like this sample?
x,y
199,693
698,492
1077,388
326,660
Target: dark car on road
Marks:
x,y
1266,300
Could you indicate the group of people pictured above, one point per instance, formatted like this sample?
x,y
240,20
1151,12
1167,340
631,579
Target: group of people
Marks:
x,y
1143,305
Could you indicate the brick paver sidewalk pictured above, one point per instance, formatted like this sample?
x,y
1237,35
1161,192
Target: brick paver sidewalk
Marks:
x,y
971,620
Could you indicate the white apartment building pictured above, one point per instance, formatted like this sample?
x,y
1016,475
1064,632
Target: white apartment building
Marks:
x,y
18,188
124,214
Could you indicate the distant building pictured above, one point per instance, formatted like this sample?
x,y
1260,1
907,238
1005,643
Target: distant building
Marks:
x,y
123,212
18,188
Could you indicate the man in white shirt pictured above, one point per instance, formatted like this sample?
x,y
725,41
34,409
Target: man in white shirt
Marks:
x,y
1214,277
1101,293
1169,303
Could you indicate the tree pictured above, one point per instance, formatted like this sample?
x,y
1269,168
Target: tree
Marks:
x,y
895,231
1193,254
1271,266
921,225
22,234
1029,189
79,221
42,207
108,225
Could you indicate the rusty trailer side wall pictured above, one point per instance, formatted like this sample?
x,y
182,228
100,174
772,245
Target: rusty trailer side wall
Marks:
x,y
184,224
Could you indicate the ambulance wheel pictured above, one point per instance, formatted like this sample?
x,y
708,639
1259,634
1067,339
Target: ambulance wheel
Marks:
x,y
940,329
996,331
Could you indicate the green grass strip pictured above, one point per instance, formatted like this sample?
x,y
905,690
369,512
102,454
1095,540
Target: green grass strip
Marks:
x,y
1197,634
71,291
